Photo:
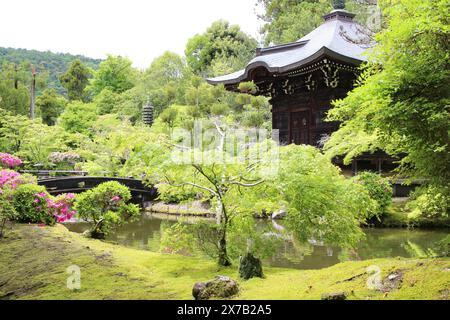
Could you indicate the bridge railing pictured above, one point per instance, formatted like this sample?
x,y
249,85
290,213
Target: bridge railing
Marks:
x,y
76,184
48,174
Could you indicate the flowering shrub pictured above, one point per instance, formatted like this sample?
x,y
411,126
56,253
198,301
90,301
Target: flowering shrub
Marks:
x,y
106,206
9,161
60,208
33,204
11,179
61,157
30,205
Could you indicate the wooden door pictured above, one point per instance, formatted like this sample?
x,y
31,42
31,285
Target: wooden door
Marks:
x,y
300,123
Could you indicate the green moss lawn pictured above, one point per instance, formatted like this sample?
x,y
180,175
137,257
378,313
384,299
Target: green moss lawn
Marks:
x,y
33,263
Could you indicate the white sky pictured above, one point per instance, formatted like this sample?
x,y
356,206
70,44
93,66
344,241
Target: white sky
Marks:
x,y
139,29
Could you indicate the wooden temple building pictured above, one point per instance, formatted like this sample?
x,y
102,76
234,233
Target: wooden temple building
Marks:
x,y
302,78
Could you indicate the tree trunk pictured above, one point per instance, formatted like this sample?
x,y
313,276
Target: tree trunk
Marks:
x,y
33,95
221,220
224,260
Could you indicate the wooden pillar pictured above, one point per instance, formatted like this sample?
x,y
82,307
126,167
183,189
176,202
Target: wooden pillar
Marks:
x,y
355,167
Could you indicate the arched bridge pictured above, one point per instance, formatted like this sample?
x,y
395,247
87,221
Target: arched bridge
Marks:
x,y
60,185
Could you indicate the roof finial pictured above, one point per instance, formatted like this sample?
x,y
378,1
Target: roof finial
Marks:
x,y
338,4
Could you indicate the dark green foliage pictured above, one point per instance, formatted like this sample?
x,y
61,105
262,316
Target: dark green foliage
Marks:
x,y
50,105
14,92
75,80
338,4
250,267
55,64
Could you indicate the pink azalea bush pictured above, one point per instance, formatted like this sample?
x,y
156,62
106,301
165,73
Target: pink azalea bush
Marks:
x,y
29,201
59,208
9,161
33,204
9,179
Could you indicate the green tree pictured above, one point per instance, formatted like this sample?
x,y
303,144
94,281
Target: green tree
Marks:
x,y
12,131
326,206
75,80
50,105
55,64
116,74
402,102
106,206
221,41
168,117
14,92
164,81
106,101
289,20
119,148
167,68
79,117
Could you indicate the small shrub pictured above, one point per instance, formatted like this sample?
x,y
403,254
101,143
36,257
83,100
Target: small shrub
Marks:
x,y
7,212
430,202
378,188
107,207
31,206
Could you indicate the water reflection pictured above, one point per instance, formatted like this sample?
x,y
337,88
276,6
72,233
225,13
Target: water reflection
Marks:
x,y
290,253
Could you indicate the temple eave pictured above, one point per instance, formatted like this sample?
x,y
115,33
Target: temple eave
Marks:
x,y
244,75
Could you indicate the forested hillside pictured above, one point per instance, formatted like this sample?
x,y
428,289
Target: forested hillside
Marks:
x,y
53,64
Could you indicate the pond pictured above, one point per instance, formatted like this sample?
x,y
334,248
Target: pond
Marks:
x,y
379,243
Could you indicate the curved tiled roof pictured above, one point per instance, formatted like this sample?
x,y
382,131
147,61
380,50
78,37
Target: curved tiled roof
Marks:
x,y
338,37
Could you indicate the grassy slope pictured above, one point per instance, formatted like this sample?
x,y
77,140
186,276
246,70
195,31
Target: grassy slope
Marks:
x,y
33,262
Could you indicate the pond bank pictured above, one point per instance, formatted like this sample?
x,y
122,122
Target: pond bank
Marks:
x,y
396,216
33,263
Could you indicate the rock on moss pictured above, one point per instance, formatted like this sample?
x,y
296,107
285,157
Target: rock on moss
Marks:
x,y
250,267
220,287
334,296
